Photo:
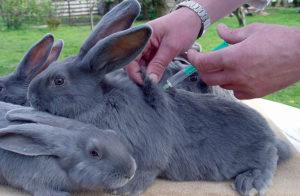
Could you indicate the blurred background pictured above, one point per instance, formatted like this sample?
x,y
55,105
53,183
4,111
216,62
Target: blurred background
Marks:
x,y
23,22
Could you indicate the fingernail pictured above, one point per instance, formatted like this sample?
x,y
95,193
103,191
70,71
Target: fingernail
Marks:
x,y
154,78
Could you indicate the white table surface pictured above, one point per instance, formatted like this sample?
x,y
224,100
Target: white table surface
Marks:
x,y
287,118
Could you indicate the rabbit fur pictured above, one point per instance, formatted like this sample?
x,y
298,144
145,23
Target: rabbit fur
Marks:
x,y
13,87
54,161
177,135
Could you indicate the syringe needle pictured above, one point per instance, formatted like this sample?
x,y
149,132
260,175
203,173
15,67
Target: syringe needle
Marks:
x,y
187,71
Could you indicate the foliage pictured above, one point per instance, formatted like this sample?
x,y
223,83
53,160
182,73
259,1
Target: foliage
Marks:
x,y
53,23
15,12
297,2
39,11
152,8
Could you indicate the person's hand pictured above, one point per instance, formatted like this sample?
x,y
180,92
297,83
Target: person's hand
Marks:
x,y
263,59
172,34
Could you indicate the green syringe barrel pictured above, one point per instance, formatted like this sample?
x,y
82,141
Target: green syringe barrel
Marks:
x,y
181,75
186,72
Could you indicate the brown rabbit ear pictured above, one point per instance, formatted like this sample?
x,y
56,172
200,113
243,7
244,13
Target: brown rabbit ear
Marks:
x,y
119,18
32,139
35,57
117,50
53,56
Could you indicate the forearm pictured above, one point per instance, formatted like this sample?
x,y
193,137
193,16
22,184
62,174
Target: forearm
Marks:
x,y
217,9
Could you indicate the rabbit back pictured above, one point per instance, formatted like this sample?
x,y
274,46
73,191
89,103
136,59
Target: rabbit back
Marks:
x,y
223,140
152,127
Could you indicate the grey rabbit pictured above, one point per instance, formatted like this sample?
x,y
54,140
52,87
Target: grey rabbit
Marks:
x,y
13,87
54,161
176,135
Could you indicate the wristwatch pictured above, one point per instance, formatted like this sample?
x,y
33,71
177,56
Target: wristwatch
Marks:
x,y
200,11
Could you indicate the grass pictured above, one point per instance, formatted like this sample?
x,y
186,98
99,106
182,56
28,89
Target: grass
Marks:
x,y
14,44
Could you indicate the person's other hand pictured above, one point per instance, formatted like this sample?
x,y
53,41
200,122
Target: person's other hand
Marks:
x,y
263,59
172,34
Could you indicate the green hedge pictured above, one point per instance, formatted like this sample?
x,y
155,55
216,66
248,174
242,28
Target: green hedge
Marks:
x,y
15,13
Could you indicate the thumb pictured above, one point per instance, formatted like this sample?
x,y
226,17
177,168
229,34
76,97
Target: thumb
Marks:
x,y
160,61
233,36
208,62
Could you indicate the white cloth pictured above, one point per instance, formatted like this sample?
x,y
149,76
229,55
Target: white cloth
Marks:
x,y
285,117
259,4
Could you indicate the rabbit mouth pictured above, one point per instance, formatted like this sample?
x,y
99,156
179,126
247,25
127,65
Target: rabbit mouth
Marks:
x,y
121,181
35,102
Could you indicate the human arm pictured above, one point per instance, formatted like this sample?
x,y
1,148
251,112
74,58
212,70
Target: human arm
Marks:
x,y
175,33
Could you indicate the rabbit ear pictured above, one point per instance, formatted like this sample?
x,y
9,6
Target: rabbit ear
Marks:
x,y
117,50
53,56
35,57
32,139
34,116
119,18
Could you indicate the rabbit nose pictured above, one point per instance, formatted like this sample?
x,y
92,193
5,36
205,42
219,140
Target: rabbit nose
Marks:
x,y
128,177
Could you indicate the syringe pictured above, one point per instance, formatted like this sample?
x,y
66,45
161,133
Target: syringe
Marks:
x,y
186,72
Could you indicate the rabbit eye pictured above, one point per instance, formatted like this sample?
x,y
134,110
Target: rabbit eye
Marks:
x,y
59,81
95,154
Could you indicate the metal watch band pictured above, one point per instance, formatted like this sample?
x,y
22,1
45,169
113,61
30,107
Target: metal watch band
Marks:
x,y
200,11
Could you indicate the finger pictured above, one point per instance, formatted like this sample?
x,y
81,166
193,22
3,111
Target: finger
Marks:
x,y
229,86
134,72
242,95
233,36
217,78
208,62
160,61
239,91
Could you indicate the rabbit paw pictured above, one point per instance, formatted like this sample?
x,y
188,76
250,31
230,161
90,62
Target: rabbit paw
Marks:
x,y
251,182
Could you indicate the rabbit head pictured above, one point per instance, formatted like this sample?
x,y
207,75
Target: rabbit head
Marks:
x,y
77,83
13,87
92,158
